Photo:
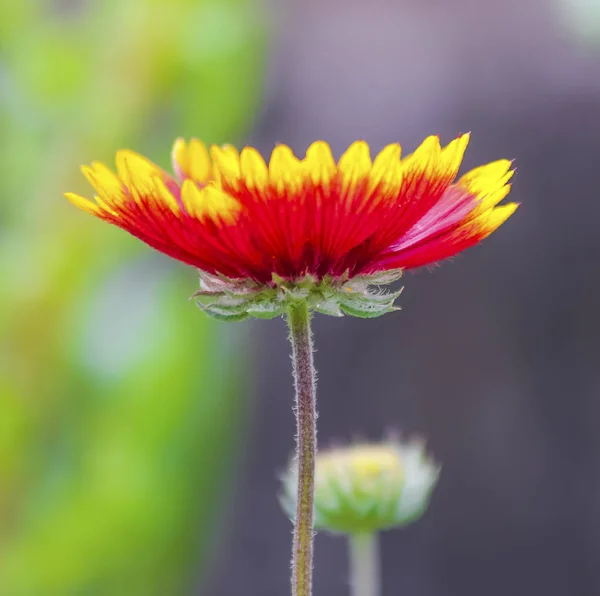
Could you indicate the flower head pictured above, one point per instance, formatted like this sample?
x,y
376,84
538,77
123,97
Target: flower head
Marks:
x,y
367,487
262,234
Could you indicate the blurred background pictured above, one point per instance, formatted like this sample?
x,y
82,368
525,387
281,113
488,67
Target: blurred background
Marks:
x,y
140,442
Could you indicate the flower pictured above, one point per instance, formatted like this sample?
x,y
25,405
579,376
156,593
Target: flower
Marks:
x,y
367,487
310,228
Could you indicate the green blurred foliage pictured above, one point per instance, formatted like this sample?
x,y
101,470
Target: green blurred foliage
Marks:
x,y
121,406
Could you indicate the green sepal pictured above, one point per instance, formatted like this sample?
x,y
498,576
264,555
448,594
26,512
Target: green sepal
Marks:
x,y
223,314
236,299
329,307
365,310
384,278
264,311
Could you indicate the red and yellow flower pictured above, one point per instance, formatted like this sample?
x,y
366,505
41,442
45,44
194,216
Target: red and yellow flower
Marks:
x,y
294,228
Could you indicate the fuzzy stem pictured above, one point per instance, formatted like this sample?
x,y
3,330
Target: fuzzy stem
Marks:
x,y
306,446
364,564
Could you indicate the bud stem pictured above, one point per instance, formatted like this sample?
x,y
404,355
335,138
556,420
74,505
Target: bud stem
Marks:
x,y
364,564
306,446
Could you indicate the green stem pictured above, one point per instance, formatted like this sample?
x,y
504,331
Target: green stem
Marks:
x,y
364,564
306,446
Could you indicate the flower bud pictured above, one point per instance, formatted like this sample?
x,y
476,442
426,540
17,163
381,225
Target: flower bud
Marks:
x,y
367,487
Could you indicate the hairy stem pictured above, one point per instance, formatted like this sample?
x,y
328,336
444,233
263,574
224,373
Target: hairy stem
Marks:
x,y
306,446
364,564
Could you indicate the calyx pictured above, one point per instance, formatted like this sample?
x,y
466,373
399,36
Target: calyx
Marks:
x,y
237,299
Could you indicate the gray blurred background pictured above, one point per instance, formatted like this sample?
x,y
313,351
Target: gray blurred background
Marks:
x,y
495,356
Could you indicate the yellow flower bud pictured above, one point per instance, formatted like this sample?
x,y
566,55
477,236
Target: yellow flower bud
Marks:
x,y
367,487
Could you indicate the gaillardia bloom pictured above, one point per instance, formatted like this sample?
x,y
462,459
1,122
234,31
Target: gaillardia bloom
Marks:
x,y
302,229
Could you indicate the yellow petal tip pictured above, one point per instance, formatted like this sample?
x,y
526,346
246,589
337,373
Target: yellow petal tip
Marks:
x,y
82,203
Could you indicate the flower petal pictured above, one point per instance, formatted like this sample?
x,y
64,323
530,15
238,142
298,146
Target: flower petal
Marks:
x,y
254,169
165,196
209,202
226,162
284,169
488,183
106,183
452,156
192,161
133,168
180,159
83,203
491,220
319,164
201,168
387,169
355,164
